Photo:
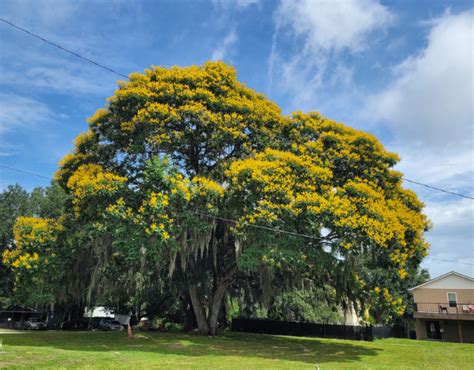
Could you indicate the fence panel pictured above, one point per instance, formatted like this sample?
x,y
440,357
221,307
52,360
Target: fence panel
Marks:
x,y
265,326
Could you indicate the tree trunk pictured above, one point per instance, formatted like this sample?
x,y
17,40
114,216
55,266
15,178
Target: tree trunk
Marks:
x,y
207,320
190,318
216,306
203,327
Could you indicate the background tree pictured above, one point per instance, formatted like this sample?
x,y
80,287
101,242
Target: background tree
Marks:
x,y
24,239
14,202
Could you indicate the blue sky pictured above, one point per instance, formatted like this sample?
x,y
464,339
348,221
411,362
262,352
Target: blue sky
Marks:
x,y
402,70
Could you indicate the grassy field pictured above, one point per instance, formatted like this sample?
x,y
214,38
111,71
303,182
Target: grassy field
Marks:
x,y
227,351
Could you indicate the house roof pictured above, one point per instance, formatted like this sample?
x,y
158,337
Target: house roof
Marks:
x,y
442,277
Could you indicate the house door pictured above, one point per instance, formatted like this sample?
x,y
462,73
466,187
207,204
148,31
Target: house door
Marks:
x,y
432,330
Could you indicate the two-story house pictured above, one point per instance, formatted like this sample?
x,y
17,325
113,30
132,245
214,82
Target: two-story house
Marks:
x,y
444,308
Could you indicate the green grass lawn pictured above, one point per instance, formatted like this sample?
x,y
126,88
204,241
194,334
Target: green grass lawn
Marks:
x,y
227,351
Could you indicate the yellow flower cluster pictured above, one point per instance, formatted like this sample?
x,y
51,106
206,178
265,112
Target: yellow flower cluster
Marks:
x,y
98,116
283,181
83,139
205,186
180,184
396,304
157,199
151,215
91,179
69,162
171,103
369,208
25,260
35,230
32,235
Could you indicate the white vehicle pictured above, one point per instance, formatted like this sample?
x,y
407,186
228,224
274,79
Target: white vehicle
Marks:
x,y
35,323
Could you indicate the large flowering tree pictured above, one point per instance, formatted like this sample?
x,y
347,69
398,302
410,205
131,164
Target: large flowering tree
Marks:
x,y
178,155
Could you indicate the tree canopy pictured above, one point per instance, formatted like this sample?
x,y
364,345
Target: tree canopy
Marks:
x,y
25,222
187,178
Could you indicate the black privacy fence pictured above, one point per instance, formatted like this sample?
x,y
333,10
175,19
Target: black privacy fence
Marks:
x,y
336,331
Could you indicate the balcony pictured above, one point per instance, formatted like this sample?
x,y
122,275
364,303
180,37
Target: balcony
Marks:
x,y
448,311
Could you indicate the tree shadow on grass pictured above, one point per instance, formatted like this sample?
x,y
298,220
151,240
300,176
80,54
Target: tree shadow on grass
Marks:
x,y
300,349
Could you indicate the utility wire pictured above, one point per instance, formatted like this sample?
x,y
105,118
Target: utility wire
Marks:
x,y
25,172
197,212
261,227
444,260
11,24
238,222
439,189
97,64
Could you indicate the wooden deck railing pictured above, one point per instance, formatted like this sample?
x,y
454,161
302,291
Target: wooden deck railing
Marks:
x,y
445,308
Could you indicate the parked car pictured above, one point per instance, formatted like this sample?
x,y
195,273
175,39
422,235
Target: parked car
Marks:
x,y
93,323
35,323
110,324
80,324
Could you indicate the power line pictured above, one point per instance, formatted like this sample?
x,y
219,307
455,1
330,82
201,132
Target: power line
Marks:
x,y
197,212
25,172
439,189
445,260
240,222
261,227
11,24
97,64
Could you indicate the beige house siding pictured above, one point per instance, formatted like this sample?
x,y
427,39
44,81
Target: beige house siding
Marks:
x,y
426,295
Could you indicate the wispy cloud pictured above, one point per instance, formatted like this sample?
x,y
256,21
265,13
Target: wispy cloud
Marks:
x,y
71,79
317,32
239,4
8,149
428,108
18,112
45,12
452,236
225,46
333,26
429,104
273,58
63,23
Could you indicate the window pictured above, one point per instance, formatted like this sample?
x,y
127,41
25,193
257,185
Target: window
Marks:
x,y
452,300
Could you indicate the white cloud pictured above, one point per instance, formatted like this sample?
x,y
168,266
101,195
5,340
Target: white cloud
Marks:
x,y
27,62
320,30
19,112
333,25
68,80
452,237
225,46
54,71
8,149
239,4
45,11
430,103
429,108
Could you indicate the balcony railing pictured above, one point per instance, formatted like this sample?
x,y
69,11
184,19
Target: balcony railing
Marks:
x,y
445,308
